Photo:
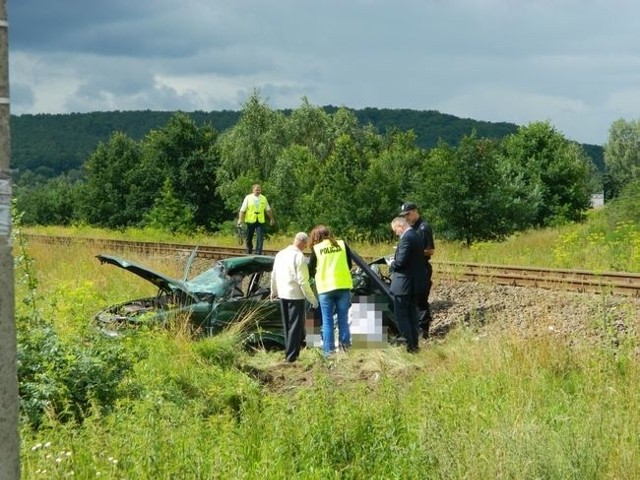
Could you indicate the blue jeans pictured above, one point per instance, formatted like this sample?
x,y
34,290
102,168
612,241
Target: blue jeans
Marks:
x,y
335,302
259,229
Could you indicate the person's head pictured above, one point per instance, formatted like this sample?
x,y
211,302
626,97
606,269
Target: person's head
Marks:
x,y
319,234
409,210
399,225
300,240
256,189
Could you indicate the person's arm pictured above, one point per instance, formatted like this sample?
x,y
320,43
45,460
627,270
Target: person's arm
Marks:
x,y
302,274
269,210
401,258
274,286
312,263
243,208
427,239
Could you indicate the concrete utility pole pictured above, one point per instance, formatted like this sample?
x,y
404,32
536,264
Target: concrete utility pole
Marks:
x,y
9,440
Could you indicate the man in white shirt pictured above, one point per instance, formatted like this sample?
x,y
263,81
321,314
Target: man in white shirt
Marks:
x,y
290,283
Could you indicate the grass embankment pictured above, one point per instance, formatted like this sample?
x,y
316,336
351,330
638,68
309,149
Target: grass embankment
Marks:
x,y
470,406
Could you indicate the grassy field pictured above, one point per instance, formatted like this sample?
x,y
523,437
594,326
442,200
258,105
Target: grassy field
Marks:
x,y
469,406
595,245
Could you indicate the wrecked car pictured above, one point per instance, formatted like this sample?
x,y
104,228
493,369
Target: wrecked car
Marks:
x,y
237,287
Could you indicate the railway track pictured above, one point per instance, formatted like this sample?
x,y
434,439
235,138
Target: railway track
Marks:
x,y
617,283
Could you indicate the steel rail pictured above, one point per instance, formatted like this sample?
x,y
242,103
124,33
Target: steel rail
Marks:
x,y
617,283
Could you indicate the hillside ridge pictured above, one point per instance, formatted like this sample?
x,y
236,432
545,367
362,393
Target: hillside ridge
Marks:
x,y
52,144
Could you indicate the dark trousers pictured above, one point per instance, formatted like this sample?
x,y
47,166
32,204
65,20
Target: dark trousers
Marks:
x,y
424,311
259,229
406,313
292,313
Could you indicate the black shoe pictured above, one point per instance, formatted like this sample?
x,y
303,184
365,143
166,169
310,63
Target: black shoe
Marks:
x,y
399,341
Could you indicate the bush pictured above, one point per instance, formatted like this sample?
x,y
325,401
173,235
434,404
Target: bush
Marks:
x,y
62,379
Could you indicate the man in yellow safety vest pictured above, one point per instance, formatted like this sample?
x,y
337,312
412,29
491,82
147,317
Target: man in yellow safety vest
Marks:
x,y
252,212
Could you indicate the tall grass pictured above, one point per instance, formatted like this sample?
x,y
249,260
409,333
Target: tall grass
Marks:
x,y
502,405
499,408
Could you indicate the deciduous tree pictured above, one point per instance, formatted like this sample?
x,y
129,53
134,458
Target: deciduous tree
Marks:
x,y
622,155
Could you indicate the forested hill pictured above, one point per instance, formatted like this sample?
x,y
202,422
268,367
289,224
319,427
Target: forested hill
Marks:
x,y
51,144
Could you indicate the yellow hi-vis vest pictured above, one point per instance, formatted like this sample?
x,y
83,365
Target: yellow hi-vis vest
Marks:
x,y
332,270
252,214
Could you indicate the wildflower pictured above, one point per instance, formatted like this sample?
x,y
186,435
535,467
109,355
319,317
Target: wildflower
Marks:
x,y
37,446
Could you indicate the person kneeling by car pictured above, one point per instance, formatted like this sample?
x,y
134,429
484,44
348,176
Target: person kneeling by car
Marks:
x,y
290,283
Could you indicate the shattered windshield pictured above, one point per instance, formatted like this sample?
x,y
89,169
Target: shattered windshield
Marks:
x,y
212,281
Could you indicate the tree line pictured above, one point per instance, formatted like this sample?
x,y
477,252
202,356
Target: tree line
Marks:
x,y
319,166
48,145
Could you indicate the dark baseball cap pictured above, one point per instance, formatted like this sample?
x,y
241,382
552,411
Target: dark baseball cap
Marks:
x,y
407,207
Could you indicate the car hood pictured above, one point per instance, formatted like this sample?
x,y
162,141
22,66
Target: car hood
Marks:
x,y
375,278
213,281
163,282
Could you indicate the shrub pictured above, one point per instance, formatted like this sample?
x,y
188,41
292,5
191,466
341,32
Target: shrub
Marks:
x,y
61,379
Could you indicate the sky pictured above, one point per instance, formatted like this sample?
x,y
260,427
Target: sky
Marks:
x,y
573,63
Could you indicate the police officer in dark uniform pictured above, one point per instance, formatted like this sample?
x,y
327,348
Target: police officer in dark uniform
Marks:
x,y
409,210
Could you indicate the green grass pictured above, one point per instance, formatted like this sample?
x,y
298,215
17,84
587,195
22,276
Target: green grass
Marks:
x,y
595,245
500,408
502,405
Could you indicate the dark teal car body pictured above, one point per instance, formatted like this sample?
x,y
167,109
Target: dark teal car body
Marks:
x,y
233,289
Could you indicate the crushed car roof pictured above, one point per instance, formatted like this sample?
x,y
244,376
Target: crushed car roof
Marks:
x,y
211,281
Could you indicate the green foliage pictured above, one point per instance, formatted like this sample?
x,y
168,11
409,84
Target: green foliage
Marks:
x,y
169,213
309,127
545,405
320,165
117,189
53,144
332,194
221,350
464,192
625,207
552,170
63,379
544,408
249,150
291,187
49,202
392,177
622,155
187,155
125,179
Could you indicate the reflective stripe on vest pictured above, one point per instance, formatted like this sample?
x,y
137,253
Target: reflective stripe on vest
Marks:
x,y
252,214
332,271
